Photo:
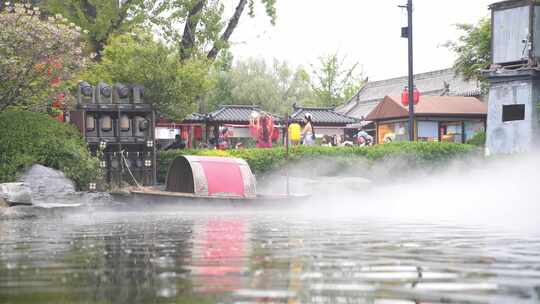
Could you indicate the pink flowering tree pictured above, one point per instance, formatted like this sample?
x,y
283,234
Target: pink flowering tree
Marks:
x,y
37,56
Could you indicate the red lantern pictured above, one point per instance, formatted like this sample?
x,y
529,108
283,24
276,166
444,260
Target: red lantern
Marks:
x,y
416,96
405,96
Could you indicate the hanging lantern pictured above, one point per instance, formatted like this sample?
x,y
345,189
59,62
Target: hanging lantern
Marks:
x,y
416,96
405,96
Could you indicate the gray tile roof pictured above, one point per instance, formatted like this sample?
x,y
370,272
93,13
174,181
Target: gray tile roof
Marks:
x,y
195,117
360,110
236,114
442,82
325,116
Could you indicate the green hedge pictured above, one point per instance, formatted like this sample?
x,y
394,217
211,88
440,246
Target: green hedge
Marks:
x,y
478,140
261,161
28,138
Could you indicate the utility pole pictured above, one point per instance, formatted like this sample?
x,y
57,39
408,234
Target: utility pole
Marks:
x,y
411,75
408,33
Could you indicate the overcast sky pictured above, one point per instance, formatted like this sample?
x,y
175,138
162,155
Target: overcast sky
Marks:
x,y
365,31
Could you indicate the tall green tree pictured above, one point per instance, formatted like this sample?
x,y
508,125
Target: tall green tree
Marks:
x,y
333,82
194,27
100,19
473,49
172,85
222,82
274,87
205,28
36,56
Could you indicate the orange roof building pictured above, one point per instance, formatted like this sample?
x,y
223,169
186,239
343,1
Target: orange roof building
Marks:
x,y
437,118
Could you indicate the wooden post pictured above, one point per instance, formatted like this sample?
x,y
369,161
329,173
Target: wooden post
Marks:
x,y
287,151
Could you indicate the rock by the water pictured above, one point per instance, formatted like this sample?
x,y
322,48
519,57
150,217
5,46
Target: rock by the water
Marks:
x,y
96,197
49,185
3,203
17,213
15,194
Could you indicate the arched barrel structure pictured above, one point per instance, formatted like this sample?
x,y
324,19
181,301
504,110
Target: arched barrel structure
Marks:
x,y
211,176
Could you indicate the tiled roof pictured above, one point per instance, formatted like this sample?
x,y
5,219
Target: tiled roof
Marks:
x,y
195,117
322,116
436,83
235,114
361,109
391,107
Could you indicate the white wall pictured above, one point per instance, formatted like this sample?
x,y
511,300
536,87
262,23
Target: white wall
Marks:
x,y
512,136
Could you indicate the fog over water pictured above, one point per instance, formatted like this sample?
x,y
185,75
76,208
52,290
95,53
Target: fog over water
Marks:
x,y
498,192
465,234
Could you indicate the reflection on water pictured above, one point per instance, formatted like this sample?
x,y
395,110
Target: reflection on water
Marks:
x,y
275,257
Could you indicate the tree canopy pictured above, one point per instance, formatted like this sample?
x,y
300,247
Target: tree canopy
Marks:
x,y
277,86
194,27
274,87
473,49
173,86
36,55
178,50
100,19
333,83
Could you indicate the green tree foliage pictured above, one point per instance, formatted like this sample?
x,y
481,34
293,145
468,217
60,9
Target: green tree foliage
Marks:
x,y
28,138
205,29
222,83
170,84
100,19
333,82
473,49
195,27
33,52
252,81
478,140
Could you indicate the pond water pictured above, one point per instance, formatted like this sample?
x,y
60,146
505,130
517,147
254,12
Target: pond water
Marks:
x,y
289,255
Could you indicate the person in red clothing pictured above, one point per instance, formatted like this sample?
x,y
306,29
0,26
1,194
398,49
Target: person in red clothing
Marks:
x,y
266,127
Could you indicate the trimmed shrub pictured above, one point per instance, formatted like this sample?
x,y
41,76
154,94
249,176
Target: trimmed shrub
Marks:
x,y
478,140
262,161
27,138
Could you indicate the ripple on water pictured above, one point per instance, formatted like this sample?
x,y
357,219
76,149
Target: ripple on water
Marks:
x,y
249,258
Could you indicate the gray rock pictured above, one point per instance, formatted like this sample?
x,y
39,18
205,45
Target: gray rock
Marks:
x,y
18,213
96,198
49,185
3,203
16,194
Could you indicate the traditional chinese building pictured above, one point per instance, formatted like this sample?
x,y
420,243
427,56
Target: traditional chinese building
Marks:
x,y
437,118
436,83
326,121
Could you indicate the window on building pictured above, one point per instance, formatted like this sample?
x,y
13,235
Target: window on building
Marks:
x,y
427,131
473,127
389,132
451,131
513,112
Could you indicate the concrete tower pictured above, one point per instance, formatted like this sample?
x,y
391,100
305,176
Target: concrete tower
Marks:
x,y
514,98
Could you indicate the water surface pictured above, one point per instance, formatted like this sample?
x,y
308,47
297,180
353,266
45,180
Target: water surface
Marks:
x,y
231,255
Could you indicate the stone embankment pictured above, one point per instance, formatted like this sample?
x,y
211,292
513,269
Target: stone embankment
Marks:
x,y
41,191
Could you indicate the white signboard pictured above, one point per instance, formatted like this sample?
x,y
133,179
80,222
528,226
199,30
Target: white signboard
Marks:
x,y
166,133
